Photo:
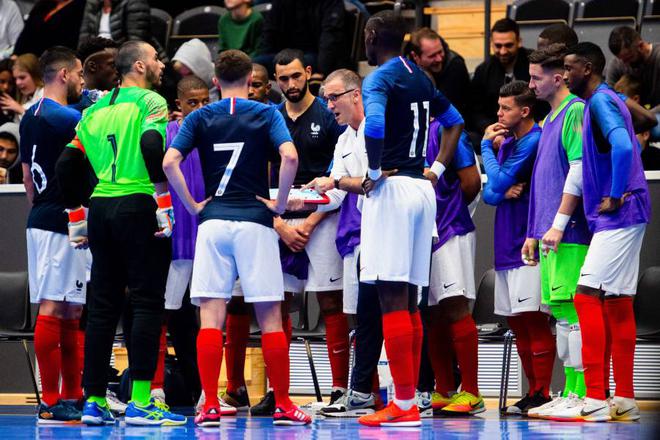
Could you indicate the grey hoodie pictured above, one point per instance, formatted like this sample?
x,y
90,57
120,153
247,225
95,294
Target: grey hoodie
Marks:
x,y
197,57
15,173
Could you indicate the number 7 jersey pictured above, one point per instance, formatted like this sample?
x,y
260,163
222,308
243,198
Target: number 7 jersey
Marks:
x,y
109,134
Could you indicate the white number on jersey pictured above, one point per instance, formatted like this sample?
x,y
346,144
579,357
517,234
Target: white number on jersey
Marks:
x,y
414,106
235,148
36,170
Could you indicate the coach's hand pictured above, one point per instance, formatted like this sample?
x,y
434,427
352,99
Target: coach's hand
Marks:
x,y
515,191
291,237
321,184
529,252
164,215
78,228
611,204
551,240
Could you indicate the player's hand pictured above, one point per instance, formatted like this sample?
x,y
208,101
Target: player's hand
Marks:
x,y
291,237
272,205
610,204
164,215
495,130
551,240
497,142
78,228
321,184
529,252
430,175
196,208
369,185
306,228
515,191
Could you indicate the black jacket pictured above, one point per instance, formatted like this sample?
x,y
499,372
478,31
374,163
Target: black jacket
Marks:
x,y
454,80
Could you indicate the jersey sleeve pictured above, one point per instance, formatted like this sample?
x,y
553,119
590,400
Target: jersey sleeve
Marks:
x,y
184,141
375,89
279,133
464,156
572,131
605,112
156,118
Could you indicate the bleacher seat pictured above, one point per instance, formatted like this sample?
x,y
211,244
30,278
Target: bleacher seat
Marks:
x,y
200,22
526,10
597,30
161,26
531,29
650,28
647,305
489,324
652,7
610,8
263,8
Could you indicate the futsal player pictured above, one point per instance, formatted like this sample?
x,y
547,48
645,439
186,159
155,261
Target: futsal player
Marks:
x,y
56,270
122,136
617,206
398,211
235,138
517,285
557,221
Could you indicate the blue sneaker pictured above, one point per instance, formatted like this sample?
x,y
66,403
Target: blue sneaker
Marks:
x,y
95,414
155,413
58,414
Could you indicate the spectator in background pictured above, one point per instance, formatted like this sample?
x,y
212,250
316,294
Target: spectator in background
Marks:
x,y
557,33
11,25
260,86
99,71
194,58
314,26
29,84
430,52
10,157
119,20
508,62
51,23
7,88
240,27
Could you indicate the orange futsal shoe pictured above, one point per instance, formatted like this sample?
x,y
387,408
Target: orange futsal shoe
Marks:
x,y
392,415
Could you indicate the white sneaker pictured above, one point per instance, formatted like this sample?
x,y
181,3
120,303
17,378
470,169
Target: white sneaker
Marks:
x,y
541,412
158,394
116,406
587,409
624,409
225,409
423,402
351,404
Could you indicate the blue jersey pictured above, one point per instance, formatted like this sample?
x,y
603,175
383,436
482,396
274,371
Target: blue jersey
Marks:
x,y
399,99
235,138
46,128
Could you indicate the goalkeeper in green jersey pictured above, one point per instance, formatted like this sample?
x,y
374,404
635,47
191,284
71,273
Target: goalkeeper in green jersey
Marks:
x,y
122,137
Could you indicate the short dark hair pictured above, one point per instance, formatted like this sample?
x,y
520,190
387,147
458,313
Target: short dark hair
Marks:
x,y
128,54
550,57
589,52
521,93
506,25
629,86
6,64
389,27
190,82
424,33
92,45
261,69
232,65
560,33
54,59
622,37
288,56
9,137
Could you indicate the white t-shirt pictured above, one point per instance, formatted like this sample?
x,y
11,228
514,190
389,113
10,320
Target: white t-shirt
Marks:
x,y
104,26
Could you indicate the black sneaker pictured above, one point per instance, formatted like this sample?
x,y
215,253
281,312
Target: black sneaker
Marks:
x,y
535,401
239,400
266,407
336,395
519,407
58,414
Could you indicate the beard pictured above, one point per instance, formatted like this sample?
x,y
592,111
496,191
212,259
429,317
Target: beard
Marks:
x,y
153,78
300,96
73,93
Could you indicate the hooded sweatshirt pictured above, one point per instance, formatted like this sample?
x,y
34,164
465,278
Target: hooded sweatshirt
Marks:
x,y
197,57
15,171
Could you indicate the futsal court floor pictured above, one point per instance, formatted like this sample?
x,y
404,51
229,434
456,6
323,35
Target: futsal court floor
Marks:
x,y
19,423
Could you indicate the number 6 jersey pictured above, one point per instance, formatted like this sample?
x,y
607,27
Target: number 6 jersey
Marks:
x,y
45,130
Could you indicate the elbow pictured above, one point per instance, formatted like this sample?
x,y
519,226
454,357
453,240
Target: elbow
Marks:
x,y
490,198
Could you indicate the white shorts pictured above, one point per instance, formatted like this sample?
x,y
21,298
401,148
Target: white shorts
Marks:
x,y
452,269
612,261
325,264
518,290
226,249
178,279
56,271
351,281
398,220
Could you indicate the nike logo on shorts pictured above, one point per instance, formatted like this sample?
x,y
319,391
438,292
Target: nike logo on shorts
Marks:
x,y
446,286
332,280
346,155
585,274
555,288
524,299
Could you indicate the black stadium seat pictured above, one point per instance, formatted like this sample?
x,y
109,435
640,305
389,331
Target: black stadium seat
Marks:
x,y
598,30
161,26
263,8
531,29
647,305
489,324
609,8
541,10
200,22
652,7
650,29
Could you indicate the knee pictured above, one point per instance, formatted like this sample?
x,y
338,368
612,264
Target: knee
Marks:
x,y
330,303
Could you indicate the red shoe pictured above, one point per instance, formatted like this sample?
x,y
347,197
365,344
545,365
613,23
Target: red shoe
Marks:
x,y
208,417
392,415
293,417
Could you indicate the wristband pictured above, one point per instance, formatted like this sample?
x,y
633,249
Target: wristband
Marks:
x,y
438,168
76,215
560,222
374,174
164,200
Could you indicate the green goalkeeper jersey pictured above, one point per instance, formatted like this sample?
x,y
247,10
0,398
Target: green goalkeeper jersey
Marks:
x,y
109,134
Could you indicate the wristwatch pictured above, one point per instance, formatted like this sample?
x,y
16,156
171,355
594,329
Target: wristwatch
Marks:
x,y
337,183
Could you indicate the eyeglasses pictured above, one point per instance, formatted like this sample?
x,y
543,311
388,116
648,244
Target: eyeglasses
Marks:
x,y
334,97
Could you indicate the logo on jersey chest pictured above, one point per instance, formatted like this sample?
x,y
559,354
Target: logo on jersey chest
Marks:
x,y
315,130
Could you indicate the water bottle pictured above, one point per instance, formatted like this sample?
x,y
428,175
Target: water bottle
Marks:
x,y
386,387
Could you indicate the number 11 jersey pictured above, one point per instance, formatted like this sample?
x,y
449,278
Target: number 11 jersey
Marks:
x,y
235,139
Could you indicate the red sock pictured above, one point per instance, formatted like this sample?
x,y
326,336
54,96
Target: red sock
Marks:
x,y
287,327
81,350
441,355
398,335
465,340
621,320
418,340
276,356
608,353
524,347
209,359
47,336
543,349
159,374
592,326
238,333
71,378
336,333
